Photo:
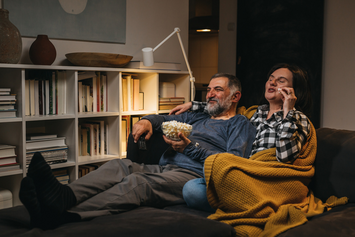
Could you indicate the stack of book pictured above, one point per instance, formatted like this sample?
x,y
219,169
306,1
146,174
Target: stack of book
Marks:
x,y
92,92
7,103
133,98
170,102
61,175
93,138
45,93
53,148
8,158
85,169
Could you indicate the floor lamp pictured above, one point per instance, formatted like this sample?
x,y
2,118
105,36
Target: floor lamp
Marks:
x,y
148,58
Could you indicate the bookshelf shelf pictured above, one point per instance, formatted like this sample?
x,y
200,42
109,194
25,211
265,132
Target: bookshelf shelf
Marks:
x,y
112,113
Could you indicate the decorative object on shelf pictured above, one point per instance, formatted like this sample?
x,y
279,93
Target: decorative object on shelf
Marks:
x,y
10,40
148,58
98,59
42,51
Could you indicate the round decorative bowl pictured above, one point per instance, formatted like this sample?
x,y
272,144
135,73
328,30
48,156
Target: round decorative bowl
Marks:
x,y
171,129
98,59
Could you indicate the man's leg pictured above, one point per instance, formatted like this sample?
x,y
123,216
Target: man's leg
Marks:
x,y
156,188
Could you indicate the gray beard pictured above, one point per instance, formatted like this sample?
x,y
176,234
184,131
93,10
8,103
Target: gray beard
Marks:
x,y
218,108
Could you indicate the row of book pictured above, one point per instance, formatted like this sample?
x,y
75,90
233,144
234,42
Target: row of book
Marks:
x,y
61,175
45,93
85,169
93,138
53,148
8,158
92,92
7,103
133,98
127,124
168,103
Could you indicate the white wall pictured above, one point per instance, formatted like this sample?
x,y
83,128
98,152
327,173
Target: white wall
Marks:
x,y
227,47
338,85
148,23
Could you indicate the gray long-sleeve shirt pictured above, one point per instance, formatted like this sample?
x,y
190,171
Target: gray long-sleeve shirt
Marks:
x,y
235,135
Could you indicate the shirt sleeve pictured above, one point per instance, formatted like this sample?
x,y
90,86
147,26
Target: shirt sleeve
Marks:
x,y
198,106
292,135
241,134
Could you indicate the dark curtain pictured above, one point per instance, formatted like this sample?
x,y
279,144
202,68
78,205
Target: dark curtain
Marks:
x,y
275,31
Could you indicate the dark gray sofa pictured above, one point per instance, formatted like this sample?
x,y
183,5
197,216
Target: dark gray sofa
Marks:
x,y
335,175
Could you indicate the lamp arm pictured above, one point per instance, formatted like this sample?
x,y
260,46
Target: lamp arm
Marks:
x,y
175,31
192,79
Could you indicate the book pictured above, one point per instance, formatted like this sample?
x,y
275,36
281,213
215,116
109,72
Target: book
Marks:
x,y
135,94
61,88
52,155
98,92
32,97
7,150
84,141
8,113
9,167
103,92
155,66
7,107
124,135
141,100
54,91
45,143
7,97
5,89
8,160
124,94
27,98
4,92
80,97
167,107
46,95
36,97
100,136
8,102
37,136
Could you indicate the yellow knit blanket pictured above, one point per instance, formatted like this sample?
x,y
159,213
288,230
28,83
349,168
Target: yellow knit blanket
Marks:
x,y
260,196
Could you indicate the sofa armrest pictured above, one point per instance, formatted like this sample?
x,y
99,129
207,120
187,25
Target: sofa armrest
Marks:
x,y
156,146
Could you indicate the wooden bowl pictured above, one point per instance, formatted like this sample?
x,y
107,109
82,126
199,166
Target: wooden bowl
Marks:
x,y
98,59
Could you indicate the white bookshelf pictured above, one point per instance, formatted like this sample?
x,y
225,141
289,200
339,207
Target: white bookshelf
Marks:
x,y
14,130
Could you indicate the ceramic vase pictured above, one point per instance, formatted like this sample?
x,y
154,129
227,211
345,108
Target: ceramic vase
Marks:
x,y
42,51
10,40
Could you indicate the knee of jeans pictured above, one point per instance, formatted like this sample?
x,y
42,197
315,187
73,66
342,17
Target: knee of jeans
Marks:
x,y
191,192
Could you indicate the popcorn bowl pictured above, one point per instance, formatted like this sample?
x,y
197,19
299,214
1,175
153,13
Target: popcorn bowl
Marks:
x,y
171,129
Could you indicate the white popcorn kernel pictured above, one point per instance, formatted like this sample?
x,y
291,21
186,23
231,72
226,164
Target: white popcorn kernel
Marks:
x,y
171,129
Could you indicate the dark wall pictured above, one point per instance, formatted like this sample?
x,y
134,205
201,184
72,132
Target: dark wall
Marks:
x,y
275,31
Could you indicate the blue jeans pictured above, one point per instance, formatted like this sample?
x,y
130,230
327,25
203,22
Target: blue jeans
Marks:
x,y
194,193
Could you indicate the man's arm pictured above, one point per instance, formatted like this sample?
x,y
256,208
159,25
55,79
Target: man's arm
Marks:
x,y
193,105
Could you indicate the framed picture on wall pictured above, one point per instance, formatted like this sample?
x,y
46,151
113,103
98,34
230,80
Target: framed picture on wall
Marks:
x,y
85,20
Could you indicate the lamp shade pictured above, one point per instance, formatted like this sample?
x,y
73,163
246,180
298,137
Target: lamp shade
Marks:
x,y
148,58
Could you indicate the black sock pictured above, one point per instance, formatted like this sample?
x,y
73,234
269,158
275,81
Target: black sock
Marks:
x,y
40,216
29,199
50,193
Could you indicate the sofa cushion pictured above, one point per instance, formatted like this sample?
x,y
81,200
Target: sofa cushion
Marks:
x,y
334,165
142,221
337,222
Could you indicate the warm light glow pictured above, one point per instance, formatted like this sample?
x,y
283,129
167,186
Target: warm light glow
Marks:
x,y
203,30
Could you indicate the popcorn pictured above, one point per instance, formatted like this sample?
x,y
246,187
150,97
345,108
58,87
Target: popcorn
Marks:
x,y
171,129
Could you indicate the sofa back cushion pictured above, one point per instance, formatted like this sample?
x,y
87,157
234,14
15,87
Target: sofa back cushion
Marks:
x,y
335,164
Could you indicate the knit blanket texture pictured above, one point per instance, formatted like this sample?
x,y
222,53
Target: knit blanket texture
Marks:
x,y
260,196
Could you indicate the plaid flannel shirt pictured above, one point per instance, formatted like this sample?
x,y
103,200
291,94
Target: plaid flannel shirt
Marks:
x,y
287,135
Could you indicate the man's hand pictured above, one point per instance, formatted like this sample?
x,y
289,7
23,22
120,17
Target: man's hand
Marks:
x,y
181,108
141,127
178,146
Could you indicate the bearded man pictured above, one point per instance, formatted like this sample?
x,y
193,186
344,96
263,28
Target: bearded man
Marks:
x,y
120,184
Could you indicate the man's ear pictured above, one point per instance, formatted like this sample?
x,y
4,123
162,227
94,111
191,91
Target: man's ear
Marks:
x,y
236,97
